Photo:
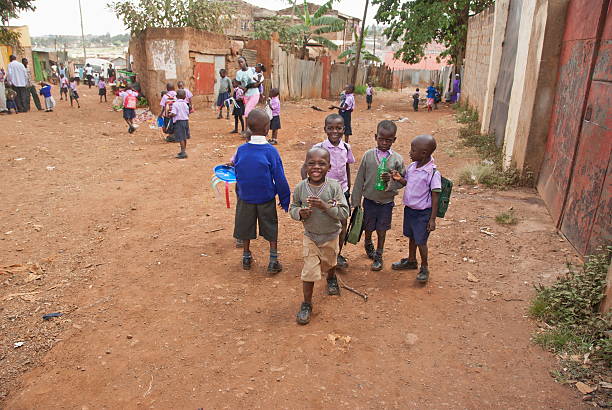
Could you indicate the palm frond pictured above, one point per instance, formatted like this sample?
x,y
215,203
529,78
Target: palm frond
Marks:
x,y
324,8
324,42
346,53
327,21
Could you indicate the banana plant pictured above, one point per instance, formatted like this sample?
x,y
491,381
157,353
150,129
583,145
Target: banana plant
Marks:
x,y
350,53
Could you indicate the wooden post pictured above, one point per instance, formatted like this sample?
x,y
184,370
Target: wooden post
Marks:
x,y
606,304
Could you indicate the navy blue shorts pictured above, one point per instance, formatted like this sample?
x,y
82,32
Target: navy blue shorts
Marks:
x,y
346,116
377,217
415,224
129,113
275,123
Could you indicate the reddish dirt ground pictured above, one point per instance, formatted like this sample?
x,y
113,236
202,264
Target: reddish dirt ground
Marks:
x,y
135,250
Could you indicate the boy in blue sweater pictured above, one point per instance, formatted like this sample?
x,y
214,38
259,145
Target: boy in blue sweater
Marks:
x,y
260,177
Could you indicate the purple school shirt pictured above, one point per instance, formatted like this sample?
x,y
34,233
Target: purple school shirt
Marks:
x,y
238,94
188,95
339,156
275,105
382,154
101,84
181,109
165,98
349,102
419,184
369,91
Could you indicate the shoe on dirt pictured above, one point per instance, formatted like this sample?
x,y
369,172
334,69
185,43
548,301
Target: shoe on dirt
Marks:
x,y
332,286
247,260
275,267
369,249
170,139
405,264
341,262
181,155
423,275
377,265
303,316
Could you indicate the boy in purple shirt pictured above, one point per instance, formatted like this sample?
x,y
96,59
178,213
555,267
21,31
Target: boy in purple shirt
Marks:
x,y
102,89
275,123
423,185
341,157
180,118
346,109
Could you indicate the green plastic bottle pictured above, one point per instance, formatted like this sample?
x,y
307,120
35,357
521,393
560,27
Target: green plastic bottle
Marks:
x,y
382,168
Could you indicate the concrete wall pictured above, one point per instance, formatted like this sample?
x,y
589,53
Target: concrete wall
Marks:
x,y
477,59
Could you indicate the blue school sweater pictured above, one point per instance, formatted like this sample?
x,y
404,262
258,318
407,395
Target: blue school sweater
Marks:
x,y
260,175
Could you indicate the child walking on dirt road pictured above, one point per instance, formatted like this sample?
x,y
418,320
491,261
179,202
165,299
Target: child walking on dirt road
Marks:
x,y
341,157
129,99
423,185
320,204
180,118
275,108
373,182
346,108
260,177
74,94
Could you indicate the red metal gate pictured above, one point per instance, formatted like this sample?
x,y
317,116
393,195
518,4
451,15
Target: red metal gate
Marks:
x,y
575,179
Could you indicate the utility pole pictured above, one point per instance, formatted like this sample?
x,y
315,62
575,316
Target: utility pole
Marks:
x,y
375,30
361,41
82,34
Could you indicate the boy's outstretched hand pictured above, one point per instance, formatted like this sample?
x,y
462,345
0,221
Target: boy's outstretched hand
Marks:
x,y
385,176
431,226
305,213
396,176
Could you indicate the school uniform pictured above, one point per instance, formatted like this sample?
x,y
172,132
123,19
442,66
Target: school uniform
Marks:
x,y
128,113
101,88
275,123
225,85
339,157
260,178
46,93
377,205
420,183
369,95
181,120
238,110
347,111
321,229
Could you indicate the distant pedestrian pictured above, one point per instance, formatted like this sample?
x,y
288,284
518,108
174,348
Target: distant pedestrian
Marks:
x,y
45,91
74,94
64,84
188,95
167,100
369,95
2,91
431,96
415,100
238,106
102,89
31,87
456,89
17,78
345,109
180,118
111,74
275,122
225,88
259,77
245,76
129,99
89,74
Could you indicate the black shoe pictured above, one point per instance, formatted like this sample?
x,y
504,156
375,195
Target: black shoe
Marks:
x,y
369,249
170,139
423,275
130,129
247,260
405,264
303,316
234,132
332,286
377,265
181,155
275,267
341,262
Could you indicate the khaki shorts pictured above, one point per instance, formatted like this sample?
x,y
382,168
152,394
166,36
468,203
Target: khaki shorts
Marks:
x,y
318,258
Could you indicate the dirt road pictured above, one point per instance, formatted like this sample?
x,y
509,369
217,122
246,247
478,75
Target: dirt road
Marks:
x,y
135,250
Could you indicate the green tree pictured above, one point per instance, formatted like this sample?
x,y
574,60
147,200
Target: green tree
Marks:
x,y
10,9
138,15
350,53
418,23
307,30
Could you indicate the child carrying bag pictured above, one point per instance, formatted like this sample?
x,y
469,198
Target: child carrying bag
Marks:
x,y
355,228
445,194
131,101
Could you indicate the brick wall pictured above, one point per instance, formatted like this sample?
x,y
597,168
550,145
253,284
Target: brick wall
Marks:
x,y
477,57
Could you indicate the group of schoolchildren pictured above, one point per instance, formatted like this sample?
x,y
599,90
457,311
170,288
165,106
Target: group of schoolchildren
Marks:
x,y
321,200
66,88
433,98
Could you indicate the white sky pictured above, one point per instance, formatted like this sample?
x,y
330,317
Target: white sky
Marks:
x,y
62,16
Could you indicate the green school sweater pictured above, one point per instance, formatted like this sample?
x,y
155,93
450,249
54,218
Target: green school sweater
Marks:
x,y
365,182
321,226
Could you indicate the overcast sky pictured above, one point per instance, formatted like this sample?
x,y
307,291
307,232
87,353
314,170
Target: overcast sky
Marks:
x,y
62,16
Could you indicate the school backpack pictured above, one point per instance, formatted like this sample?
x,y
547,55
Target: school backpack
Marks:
x,y
169,103
130,101
445,194
355,227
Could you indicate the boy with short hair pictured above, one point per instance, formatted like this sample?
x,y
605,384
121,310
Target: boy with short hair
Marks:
x,y
320,204
45,91
369,95
378,204
64,87
180,119
225,88
341,157
415,100
423,186
260,177
129,107
188,94
166,103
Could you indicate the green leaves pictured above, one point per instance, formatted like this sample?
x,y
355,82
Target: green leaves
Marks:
x,y
418,23
139,15
10,9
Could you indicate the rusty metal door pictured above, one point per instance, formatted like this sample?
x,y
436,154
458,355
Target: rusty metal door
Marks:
x,y
204,74
575,180
505,79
